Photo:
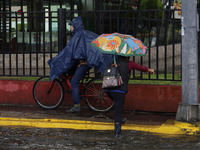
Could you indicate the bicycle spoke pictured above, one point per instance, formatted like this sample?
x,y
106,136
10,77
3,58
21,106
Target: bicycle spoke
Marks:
x,y
96,97
93,89
44,98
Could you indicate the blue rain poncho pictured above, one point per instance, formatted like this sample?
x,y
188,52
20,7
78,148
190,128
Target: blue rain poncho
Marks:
x,y
79,48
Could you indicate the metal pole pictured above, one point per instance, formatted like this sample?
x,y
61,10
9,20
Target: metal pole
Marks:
x,y
4,44
98,27
98,6
61,29
188,108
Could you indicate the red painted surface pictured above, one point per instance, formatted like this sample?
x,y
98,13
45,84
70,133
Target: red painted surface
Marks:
x,y
156,98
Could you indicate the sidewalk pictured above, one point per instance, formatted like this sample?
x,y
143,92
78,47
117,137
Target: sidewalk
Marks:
x,y
89,120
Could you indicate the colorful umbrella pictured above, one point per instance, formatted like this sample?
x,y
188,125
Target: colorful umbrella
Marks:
x,y
120,44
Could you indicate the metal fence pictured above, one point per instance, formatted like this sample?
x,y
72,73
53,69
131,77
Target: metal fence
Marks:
x,y
26,50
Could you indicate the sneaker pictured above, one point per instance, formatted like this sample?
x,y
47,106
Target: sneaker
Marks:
x,y
75,109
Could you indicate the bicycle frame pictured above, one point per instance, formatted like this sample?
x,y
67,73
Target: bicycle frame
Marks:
x,y
82,86
50,95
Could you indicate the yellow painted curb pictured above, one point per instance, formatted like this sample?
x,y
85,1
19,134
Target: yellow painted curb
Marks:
x,y
169,127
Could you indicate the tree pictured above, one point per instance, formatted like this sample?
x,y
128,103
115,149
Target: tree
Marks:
x,y
149,10
198,4
151,5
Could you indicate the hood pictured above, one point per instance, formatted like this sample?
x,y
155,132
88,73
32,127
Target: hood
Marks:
x,y
77,23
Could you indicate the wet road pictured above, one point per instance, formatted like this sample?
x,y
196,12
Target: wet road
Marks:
x,y
51,139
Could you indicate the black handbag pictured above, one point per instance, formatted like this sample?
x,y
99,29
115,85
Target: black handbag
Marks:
x,y
111,77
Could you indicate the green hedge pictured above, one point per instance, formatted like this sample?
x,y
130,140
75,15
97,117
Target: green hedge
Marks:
x,y
19,25
151,4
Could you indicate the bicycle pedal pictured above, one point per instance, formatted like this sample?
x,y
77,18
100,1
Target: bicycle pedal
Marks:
x,y
69,91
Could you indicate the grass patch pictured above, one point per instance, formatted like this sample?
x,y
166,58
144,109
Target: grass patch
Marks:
x,y
19,78
160,80
160,76
155,82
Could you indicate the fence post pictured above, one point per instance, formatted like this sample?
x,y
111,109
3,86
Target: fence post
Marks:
x,y
4,44
98,6
98,28
61,29
188,109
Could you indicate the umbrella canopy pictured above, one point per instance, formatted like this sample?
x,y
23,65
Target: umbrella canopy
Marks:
x,y
120,44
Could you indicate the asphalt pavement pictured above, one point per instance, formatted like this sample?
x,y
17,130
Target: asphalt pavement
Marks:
x,y
89,120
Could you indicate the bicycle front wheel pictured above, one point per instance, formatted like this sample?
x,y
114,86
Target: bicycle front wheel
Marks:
x,y
45,98
96,97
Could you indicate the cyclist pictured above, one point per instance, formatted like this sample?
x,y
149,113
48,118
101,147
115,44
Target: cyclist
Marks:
x,y
78,50
82,68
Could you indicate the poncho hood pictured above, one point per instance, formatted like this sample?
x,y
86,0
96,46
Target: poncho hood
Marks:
x,y
77,23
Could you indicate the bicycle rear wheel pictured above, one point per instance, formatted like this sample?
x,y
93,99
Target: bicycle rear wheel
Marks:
x,y
96,98
45,99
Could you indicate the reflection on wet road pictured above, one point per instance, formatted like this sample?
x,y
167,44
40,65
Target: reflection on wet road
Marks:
x,y
43,139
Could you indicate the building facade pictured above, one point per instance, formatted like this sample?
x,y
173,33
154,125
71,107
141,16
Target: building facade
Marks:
x,y
32,25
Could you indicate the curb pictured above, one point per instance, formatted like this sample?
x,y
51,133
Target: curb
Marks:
x,y
169,127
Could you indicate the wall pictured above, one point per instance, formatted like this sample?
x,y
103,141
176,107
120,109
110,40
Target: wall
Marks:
x,y
154,98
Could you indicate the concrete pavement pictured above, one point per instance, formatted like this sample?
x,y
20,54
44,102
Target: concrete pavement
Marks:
x,y
89,120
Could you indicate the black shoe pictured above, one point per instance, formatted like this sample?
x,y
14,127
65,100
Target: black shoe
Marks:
x,y
123,120
75,109
117,129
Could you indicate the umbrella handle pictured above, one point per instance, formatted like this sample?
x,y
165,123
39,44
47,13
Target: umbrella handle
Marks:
x,y
114,59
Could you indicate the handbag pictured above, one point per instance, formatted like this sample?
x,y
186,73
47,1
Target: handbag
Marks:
x,y
111,77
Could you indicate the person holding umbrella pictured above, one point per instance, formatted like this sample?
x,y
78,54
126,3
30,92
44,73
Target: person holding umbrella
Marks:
x,y
124,46
118,94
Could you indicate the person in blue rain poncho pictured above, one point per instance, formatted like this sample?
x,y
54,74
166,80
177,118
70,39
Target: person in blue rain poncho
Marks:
x,y
78,50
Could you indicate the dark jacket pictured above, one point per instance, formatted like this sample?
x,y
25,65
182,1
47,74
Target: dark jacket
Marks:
x,y
122,65
79,48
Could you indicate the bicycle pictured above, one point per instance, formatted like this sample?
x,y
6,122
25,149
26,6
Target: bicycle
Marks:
x,y
50,95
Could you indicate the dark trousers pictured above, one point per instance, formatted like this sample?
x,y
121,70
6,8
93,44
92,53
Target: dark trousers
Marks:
x,y
118,99
75,82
